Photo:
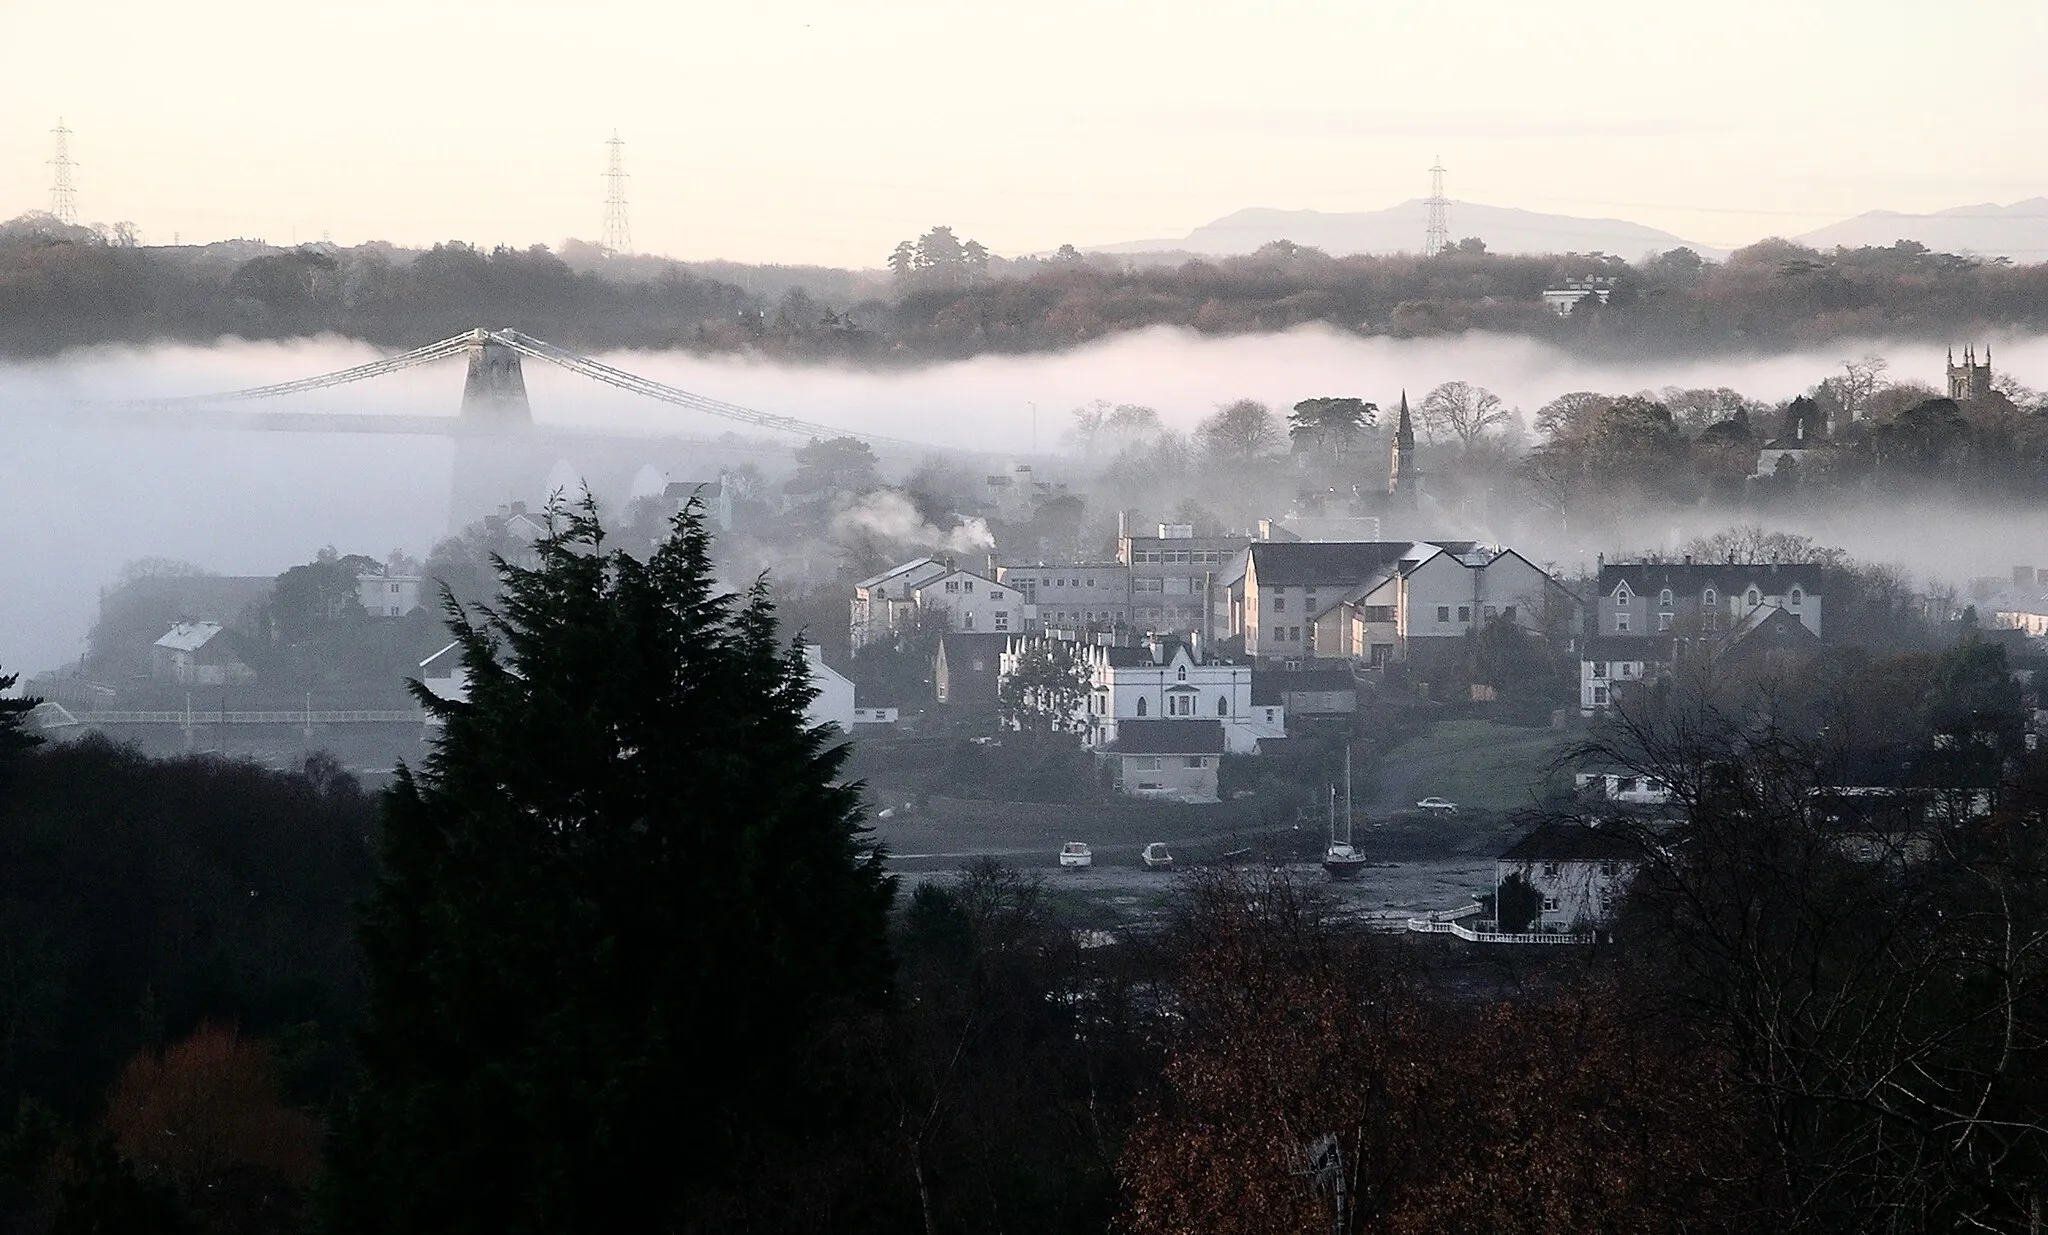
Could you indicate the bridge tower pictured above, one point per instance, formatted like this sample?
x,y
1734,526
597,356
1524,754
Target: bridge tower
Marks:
x,y
494,393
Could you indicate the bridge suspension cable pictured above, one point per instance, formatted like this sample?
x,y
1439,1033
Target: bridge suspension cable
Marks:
x,y
453,346
539,349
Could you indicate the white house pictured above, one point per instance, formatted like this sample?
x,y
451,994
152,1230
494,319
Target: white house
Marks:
x,y
1579,871
973,604
1623,786
1164,678
198,654
1177,760
1609,665
834,702
886,603
391,592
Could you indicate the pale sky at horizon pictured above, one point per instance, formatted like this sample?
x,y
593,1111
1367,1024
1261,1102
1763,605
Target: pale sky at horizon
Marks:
x,y
805,131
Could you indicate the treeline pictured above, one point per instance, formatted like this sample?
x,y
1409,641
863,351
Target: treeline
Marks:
x,y
948,298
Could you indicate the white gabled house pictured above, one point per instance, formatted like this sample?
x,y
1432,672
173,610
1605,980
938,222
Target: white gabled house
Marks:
x,y
972,604
886,603
1580,873
1167,678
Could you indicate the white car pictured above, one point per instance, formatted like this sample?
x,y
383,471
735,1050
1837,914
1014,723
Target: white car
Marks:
x,y
1074,853
1438,806
1156,858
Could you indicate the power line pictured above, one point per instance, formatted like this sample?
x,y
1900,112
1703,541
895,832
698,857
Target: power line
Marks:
x,y
1439,212
618,237
63,194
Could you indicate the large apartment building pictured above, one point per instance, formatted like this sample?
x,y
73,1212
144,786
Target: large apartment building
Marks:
x,y
1178,578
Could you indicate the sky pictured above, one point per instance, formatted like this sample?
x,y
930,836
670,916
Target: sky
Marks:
x,y
802,131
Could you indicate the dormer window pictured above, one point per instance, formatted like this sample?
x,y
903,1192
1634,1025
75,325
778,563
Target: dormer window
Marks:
x,y
1621,596
1181,674
1752,598
1664,598
1709,598
1796,596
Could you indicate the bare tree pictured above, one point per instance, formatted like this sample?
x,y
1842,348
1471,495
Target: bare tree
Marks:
x,y
1239,431
1859,382
1462,412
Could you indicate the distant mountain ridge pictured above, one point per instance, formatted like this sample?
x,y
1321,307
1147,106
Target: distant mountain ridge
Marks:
x,y
2018,231
1400,229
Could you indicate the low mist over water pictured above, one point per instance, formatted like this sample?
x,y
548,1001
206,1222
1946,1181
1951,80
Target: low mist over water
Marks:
x,y
89,500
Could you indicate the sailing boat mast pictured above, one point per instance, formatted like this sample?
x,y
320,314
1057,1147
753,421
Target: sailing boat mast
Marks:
x,y
1347,792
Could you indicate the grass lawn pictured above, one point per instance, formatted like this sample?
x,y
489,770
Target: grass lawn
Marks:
x,y
1475,763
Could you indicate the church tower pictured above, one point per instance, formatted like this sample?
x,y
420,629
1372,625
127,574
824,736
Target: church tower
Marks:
x,y
1402,478
1969,380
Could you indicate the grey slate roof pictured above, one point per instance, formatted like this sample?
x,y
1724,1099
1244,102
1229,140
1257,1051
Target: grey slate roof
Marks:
x,y
1573,842
1281,563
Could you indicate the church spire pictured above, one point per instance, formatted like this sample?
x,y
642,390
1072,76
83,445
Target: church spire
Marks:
x,y
1401,476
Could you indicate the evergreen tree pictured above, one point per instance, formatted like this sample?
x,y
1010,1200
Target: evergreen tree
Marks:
x,y
622,895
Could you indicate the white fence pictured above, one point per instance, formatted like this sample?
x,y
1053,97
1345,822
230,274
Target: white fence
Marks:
x,y
56,716
1441,924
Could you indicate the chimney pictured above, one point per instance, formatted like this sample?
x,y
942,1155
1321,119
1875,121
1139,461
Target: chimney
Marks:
x,y
1123,525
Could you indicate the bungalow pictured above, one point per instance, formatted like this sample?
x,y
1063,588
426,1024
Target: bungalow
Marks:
x,y
1176,759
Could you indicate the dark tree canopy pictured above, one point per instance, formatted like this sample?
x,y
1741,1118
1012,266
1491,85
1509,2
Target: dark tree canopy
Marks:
x,y
624,890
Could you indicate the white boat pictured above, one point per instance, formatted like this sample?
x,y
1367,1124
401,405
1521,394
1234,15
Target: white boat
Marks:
x,y
1342,860
1156,858
1074,853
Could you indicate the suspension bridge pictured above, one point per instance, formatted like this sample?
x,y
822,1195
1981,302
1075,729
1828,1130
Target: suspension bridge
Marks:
x,y
502,453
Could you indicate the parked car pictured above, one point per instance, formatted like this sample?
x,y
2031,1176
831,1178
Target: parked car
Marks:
x,y
1156,858
1074,853
1438,806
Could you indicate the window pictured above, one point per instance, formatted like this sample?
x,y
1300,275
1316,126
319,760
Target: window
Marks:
x,y
1294,634
1508,613
1443,613
1550,904
1003,619
967,586
1797,595
1490,612
1599,696
1751,598
953,585
1621,622
1141,706
1708,598
1223,705
1180,674
1621,596
1279,604
1180,705
1664,598
967,621
1607,870
1663,621
1550,870
995,595
394,592
1149,764
1464,613
1599,670
1196,761
1059,583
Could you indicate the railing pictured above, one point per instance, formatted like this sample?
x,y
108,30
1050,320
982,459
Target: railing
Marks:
x,y
364,716
1438,925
